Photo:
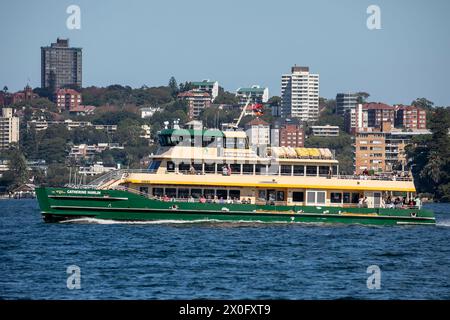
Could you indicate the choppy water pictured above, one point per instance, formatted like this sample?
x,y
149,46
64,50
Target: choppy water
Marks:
x,y
219,260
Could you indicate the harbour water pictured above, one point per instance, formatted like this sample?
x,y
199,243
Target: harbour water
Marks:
x,y
204,260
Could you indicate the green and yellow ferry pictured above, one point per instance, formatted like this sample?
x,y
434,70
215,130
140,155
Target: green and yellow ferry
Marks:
x,y
214,175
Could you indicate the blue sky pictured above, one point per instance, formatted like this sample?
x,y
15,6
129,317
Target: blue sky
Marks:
x,y
240,43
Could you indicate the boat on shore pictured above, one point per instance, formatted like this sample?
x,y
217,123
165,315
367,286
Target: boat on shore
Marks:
x,y
214,175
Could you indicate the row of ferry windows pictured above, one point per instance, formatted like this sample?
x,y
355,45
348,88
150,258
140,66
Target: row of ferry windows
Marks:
x,y
204,141
295,170
312,197
184,193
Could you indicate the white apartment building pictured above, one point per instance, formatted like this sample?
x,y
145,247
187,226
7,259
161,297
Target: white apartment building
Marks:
x,y
325,131
9,128
255,93
211,87
300,94
258,132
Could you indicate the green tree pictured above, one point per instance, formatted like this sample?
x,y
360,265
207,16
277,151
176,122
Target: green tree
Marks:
x,y
430,157
225,97
423,103
18,170
173,86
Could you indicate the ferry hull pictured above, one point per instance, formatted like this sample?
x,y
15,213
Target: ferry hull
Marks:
x,y
58,204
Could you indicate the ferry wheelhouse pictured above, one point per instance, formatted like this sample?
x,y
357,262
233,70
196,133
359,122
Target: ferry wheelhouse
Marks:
x,y
216,175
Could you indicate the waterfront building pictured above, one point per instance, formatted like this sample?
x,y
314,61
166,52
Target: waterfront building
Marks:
x,y
410,117
210,87
9,128
346,102
383,149
300,94
258,132
61,65
197,100
67,99
255,93
290,133
325,131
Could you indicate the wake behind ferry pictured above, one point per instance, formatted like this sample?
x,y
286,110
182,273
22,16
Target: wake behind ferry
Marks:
x,y
215,175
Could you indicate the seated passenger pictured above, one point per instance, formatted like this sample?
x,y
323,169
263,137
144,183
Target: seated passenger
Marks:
x,y
202,199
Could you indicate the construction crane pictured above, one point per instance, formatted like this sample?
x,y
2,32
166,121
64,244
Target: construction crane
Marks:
x,y
256,108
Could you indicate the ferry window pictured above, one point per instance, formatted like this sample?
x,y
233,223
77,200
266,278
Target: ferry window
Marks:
x,y
143,189
280,196
324,171
210,167
299,170
197,167
259,168
183,167
336,197
321,197
247,168
229,143
240,143
183,193
286,170
347,197
158,192
262,195
235,194
298,196
235,168
355,197
311,170
171,192
311,197
221,194
196,193
170,166
154,165
209,142
209,193
335,170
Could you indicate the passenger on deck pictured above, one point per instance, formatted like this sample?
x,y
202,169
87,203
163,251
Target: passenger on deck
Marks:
x,y
365,202
166,198
191,199
202,199
418,202
221,200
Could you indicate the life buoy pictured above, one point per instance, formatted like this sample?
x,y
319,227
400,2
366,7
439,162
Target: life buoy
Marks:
x,y
174,207
413,214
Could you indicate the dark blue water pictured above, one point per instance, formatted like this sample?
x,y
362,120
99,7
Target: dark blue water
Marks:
x,y
219,261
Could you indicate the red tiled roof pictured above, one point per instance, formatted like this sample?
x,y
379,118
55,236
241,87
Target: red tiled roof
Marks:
x,y
377,105
257,122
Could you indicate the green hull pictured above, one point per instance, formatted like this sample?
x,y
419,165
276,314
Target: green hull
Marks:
x,y
59,204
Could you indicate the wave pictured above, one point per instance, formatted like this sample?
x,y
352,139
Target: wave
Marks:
x,y
443,223
198,221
